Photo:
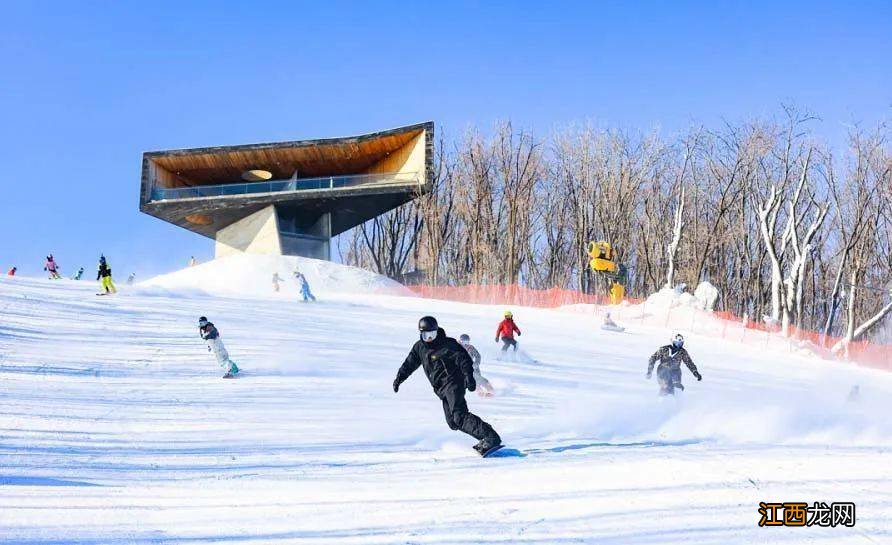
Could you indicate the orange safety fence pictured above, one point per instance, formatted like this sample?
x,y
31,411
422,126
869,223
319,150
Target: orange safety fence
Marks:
x,y
719,323
508,295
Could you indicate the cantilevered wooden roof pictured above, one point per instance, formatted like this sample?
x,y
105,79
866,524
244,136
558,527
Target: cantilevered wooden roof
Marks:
x,y
311,158
381,152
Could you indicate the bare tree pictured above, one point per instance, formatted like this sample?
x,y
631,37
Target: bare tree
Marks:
x,y
780,225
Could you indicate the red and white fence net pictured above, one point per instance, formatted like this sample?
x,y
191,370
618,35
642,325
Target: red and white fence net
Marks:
x,y
660,314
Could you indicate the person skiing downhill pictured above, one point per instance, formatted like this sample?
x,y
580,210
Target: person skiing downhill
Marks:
x,y
78,274
52,267
484,387
304,287
610,325
450,371
104,274
11,271
671,357
505,332
131,278
276,280
215,344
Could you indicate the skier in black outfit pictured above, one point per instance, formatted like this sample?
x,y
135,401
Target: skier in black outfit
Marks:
x,y
450,371
671,357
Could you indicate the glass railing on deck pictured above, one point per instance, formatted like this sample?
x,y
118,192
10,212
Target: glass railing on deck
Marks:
x,y
276,186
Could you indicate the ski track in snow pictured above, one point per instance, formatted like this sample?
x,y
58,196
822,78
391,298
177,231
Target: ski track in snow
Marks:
x,y
116,428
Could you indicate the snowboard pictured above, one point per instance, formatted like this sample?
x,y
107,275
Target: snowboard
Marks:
x,y
491,451
502,452
616,328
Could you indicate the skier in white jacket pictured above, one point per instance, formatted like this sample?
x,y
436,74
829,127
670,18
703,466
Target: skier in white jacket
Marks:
x,y
215,344
484,387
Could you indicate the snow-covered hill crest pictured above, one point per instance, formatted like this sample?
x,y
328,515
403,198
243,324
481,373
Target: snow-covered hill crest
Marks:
x,y
251,275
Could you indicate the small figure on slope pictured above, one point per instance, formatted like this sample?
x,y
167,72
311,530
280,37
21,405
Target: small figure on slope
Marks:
x,y
484,388
505,332
304,287
276,280
51,267
671,357
131,278
610,325
12,271
104,274
78,274
215,344
192,261
450,371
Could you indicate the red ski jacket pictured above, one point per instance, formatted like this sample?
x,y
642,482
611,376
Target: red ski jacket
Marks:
x,y
506,329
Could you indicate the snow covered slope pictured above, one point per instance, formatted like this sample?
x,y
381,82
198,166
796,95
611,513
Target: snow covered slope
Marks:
x,y
251,275
116,428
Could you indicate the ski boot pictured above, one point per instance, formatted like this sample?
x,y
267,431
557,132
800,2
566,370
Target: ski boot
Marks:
x,y
233,370
488,445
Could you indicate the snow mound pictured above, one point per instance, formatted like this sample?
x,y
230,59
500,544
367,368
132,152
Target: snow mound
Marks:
x,y
671,298
707,295
704,297
251,274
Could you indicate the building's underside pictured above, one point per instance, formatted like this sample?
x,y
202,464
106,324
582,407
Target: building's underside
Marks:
x,y
287,197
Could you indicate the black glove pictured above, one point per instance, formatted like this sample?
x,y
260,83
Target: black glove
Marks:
x,y
699,377
471,384
396,385
497,339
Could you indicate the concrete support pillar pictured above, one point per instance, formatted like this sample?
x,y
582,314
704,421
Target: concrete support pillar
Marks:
x,y
255,234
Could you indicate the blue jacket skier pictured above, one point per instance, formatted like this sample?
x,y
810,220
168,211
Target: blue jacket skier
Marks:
x,y
304,286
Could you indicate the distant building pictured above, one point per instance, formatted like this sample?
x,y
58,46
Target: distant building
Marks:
x,y
287,198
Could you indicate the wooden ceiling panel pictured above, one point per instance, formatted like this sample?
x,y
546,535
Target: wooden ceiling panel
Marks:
x,y
310,158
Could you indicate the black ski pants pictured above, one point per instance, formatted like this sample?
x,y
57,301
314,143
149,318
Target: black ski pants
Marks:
x,y
669,378
508,341
458,417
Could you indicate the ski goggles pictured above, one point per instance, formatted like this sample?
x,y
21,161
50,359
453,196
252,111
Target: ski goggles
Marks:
x,y
428,336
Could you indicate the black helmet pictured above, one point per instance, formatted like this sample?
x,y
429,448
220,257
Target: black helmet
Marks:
x,y
428,323
464,338
677,340
203,321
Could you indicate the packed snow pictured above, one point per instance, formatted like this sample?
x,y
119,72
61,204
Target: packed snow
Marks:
x,y
115,426
251,275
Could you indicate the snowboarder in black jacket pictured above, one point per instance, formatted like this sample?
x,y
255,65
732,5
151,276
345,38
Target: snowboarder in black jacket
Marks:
x,y
671,357
450,371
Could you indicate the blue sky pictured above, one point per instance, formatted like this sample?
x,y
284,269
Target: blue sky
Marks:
x,y
88,86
